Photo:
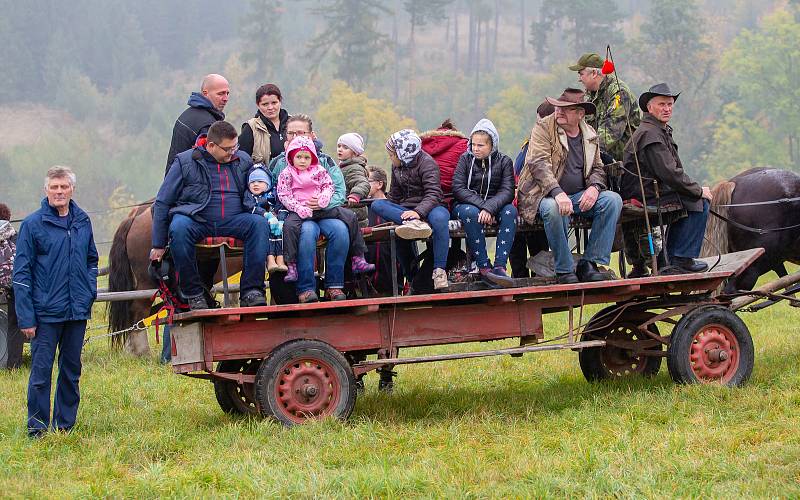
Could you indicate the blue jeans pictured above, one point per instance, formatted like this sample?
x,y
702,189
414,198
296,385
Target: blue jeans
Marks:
x,y
476,240
335,232
184,232
67,336
604,214
437,219
685,236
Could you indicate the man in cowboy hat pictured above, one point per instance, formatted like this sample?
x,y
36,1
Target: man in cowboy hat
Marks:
x,y
657,154
563,175
615,103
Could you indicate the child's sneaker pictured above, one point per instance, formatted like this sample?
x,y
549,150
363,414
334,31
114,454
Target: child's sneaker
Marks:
x,y
307,297
280,264
414,229
498,276
291,272
335,294
361,266
440,279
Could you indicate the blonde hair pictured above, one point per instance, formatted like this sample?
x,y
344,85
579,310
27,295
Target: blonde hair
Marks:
x,y
59,172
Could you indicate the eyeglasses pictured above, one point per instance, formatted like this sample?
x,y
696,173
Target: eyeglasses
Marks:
x,y
293,134
229,149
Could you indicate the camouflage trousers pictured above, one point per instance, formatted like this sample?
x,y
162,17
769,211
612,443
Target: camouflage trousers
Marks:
x,y
637,246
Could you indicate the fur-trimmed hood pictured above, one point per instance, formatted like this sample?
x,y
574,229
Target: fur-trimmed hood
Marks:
x,y
442,132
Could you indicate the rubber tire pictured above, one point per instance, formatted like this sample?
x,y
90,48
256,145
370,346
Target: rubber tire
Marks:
x,y
591,361
678,363
267,376
226,390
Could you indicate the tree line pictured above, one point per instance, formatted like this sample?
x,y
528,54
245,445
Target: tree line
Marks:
x,y
103,81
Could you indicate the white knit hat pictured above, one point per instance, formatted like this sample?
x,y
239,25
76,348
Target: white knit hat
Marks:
x,y
352,141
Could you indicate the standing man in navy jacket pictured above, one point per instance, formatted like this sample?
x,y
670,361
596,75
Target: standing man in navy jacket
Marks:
x,y
55,284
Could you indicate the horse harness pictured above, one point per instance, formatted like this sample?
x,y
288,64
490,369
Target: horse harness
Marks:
x,y
757,230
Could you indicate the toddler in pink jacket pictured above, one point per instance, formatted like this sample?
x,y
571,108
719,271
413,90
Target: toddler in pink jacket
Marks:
x,y
305,190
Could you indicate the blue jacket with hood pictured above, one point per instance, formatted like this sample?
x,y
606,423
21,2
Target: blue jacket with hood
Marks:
x,y
193,122
187,188
55,268
260,204
489,183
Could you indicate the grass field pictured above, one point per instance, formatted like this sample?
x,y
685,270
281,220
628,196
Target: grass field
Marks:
x,y
493,427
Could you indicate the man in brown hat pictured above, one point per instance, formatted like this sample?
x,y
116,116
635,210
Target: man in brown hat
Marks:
x,y
563,175
657,154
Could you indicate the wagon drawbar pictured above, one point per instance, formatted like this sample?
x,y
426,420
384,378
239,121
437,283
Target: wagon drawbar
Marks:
x,y
295,362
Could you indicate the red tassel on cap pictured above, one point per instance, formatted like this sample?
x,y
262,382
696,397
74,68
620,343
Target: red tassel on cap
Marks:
x,y
608,67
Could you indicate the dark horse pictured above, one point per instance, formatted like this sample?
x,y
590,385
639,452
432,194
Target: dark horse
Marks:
x,y
128,262
752,186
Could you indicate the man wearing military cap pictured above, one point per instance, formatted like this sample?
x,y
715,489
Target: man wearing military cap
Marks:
x,y
616,105
655,149
614,102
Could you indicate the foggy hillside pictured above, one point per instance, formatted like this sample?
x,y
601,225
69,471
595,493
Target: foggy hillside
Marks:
x,y
97,85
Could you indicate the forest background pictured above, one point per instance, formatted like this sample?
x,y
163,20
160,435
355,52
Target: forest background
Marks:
x,y
97,84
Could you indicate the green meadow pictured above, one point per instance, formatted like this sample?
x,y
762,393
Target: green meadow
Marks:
x,y
491,427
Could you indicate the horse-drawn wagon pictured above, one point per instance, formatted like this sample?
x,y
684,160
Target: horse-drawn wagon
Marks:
x,y
294,362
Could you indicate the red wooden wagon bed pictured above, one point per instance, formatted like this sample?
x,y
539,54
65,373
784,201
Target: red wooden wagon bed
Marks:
x,y
294,362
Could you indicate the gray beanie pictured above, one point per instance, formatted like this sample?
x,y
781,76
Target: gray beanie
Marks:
x,y
258,174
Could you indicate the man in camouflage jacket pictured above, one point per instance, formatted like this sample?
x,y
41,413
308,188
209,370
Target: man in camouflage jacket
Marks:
x,y
616,106
614,102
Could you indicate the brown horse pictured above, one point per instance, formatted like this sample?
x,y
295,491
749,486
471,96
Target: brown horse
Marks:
x,y
128,260
773,227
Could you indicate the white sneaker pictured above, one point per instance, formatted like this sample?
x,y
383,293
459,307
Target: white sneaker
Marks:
x,y
440,279
414,230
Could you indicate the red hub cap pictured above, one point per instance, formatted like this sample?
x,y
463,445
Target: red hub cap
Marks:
x,y
307,388
714,354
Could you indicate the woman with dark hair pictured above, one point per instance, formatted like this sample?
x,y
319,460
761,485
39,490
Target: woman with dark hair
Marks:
x,y
445,145
264,135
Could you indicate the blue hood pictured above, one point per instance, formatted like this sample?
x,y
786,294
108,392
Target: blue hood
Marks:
x,y
198,100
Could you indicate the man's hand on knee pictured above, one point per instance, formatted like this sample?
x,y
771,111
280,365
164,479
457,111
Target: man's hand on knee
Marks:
x,y
564,204
589,198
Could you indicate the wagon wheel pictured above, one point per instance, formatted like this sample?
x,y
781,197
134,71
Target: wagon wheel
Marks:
x,y
235,398
305,379
615,361
711,344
